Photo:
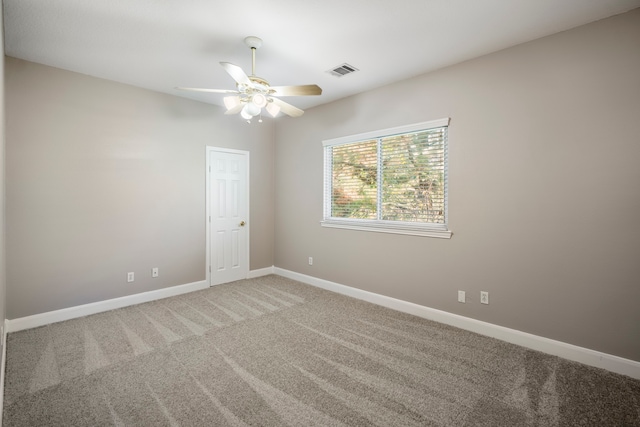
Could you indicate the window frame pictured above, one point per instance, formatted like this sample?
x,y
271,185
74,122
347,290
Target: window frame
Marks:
x,y
385,226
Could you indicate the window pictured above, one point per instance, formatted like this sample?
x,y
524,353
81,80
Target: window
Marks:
x,y
392,181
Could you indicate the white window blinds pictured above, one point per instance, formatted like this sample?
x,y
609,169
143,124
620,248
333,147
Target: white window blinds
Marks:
x,y
413,178
355,180
394,182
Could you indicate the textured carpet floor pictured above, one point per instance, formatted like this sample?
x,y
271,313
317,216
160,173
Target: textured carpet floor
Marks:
x,y
275,352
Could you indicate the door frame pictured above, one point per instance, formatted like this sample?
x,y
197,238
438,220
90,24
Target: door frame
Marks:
x,y
211,149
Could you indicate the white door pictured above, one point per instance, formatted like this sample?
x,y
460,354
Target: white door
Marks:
x,y
228,204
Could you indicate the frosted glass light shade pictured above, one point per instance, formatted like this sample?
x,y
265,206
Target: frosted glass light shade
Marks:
x,y
245,113
273,109
251,109
231,102
259,100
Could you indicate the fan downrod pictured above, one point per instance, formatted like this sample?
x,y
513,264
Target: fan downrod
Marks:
x,y
254,43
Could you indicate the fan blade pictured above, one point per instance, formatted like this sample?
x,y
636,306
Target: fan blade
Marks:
x,y
198,89
303,90
236,73
288,109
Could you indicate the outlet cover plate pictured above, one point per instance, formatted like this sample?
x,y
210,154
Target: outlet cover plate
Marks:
x,y
484,297
461,296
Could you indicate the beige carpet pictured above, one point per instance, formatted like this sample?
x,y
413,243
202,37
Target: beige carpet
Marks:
x,y
275,352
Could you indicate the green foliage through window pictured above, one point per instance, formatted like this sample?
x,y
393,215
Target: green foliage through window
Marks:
x,y
355,180
393,178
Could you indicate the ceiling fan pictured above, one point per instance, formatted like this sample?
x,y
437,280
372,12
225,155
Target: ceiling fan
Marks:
x,y
254,93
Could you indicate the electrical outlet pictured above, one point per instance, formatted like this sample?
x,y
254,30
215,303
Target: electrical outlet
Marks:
x,y
484,297
310,260
130,277
461,296
154,272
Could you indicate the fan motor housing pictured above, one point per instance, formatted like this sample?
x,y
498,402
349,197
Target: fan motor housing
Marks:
x,y
259,80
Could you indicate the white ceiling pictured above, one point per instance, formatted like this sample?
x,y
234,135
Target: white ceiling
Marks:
x,y
161,44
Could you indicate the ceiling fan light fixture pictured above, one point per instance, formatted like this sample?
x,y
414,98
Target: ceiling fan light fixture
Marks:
x,y
231,102
259,100
251,109
254,93
273,109
245,113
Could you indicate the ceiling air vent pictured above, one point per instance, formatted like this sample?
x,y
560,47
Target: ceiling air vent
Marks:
x,y
342,70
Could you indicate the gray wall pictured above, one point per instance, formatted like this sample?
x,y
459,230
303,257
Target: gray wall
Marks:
x,y
105,178
3,273
544,197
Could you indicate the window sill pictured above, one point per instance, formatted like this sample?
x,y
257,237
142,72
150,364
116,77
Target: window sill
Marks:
x,y
384,227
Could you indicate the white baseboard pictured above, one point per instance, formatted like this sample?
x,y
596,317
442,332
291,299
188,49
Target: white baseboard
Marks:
x,y
42,319
2,366
557,348
260,272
